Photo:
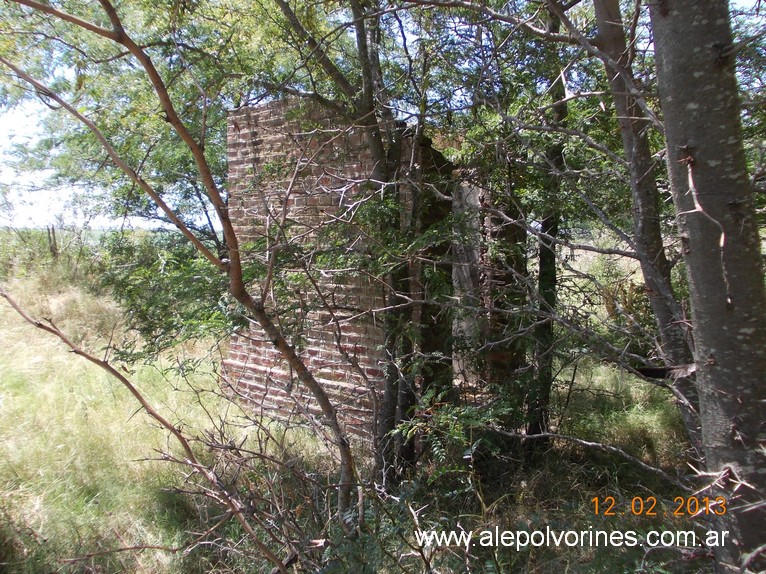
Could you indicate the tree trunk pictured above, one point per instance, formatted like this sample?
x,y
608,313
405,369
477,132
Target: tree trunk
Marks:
x,y
53,245
547,282
468,326
505,289
716,217
647,233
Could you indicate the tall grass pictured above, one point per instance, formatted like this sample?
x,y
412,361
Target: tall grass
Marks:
x,y
79,475
81,478
612,407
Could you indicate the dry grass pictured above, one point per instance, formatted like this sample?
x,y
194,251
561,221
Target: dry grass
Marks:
x,y
74,474
75,482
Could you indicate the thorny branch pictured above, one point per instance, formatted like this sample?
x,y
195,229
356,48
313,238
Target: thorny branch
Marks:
x,y
234,505
598,446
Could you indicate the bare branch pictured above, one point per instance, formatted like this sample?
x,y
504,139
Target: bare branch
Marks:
x,y
484,10
47,9
235,506
598,446
592,49
318,52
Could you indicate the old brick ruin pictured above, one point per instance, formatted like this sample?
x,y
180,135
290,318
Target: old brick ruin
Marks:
x,y
297,177
292,171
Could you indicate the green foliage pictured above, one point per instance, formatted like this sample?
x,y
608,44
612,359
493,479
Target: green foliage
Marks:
x,y
52,273
76,482
454,437
63,251
482,87
613,408
82,67
151,271
626,308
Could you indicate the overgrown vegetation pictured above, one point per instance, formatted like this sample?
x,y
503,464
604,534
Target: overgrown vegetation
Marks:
x,y
596,154
80,472
84,487
146,271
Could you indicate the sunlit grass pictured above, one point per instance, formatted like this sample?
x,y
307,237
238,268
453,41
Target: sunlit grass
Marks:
x,y
79,473
615,408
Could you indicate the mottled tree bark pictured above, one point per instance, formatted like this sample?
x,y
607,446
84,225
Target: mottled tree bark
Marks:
x,y
716,216
647,232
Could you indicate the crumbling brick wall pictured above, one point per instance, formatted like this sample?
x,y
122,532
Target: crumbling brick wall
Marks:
x,y
293,172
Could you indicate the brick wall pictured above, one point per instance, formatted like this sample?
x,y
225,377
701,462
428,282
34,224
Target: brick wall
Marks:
x,y
293,172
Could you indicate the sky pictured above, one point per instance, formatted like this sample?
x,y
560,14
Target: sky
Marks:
x,y
33,203
19,126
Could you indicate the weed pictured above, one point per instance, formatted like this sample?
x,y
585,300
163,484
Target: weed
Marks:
x,y
75,482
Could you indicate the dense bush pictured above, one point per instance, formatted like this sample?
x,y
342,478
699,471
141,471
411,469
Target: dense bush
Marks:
x,y
169,294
